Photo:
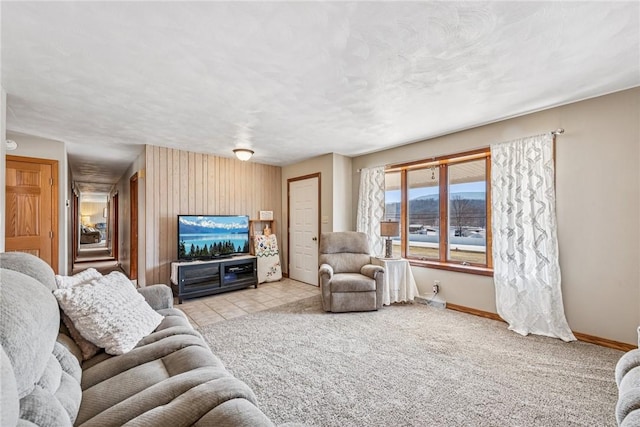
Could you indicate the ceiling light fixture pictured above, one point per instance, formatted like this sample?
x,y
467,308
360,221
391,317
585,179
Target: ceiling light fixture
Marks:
x,y
243,154
11,145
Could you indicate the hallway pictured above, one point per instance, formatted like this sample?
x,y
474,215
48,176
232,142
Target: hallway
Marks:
x,y
97,256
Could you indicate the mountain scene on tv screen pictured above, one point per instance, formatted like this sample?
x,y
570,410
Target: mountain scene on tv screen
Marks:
x,y
206,237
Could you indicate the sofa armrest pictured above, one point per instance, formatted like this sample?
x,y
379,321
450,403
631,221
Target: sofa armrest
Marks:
x,y
626,363
158,296
371,270
627,375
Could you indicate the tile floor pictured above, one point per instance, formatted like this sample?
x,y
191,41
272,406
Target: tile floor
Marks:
x,y
216,308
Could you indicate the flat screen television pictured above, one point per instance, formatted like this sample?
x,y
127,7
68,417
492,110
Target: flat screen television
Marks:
x,y
212,236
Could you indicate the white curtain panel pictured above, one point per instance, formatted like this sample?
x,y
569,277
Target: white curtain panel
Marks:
x,y
371,207
525,243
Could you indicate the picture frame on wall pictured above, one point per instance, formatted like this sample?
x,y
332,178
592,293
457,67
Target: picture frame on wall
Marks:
x,y
266,215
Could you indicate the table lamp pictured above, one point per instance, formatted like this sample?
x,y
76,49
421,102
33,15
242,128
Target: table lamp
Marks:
x,y
389,229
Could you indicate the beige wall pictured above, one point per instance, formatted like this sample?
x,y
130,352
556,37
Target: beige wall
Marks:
x,y
124,213
3,137
336,175
598,209
324,166
342,198
33,146
71,192
95,211
182,182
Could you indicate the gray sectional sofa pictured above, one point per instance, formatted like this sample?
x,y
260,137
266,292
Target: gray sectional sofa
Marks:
x,y
171,378
628,381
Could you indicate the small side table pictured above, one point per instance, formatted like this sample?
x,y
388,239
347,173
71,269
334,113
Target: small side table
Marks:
x,y
399,284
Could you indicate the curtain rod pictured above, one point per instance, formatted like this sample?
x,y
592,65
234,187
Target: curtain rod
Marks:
x,y
556,132
370,167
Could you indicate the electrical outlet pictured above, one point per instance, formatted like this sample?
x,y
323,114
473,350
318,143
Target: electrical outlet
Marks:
x,y
436,286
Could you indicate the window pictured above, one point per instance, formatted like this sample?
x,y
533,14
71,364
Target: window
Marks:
x,y
443,206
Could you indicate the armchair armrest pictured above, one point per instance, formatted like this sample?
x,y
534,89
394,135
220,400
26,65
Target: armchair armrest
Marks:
x,y
326,269
157,296
325,274
371,270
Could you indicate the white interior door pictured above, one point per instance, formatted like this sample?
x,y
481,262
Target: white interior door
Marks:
x,y
303,230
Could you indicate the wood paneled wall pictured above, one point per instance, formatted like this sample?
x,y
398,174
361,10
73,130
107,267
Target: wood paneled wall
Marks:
x,y
186,183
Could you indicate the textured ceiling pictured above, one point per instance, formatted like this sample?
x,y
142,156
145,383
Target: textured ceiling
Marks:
x,y
294,80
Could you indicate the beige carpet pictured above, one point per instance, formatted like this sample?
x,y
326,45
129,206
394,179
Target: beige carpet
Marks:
x,y
412,365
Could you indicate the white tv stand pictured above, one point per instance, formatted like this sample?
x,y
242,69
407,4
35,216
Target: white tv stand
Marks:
x,y
190,279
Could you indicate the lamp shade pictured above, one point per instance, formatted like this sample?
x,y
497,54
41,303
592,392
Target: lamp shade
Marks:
x,y
389,228
243,154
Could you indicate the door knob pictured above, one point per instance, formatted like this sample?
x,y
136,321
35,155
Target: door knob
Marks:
x,y
315,239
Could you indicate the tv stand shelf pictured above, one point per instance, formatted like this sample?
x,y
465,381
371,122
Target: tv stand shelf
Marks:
x,y
190,279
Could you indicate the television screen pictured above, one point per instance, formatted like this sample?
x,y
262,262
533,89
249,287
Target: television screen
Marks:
x,y
212,236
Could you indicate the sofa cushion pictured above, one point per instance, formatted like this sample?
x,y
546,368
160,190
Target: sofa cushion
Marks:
x,y
628,394
87,348
109,312
61,380
46,373
30,265
234,412
632,419
170,378
29,322
352,282
9,403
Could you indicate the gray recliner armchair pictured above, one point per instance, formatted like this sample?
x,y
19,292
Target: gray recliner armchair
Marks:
x,y
348,279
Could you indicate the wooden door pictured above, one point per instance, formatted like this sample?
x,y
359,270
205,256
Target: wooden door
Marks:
x,y
31,208
133,188
115,239
304,198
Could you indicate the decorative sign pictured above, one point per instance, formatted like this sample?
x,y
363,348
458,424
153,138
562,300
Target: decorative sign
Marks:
x,y
266,215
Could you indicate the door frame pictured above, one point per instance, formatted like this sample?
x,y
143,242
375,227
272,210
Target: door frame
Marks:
x,y
75,212
115,229
318,176
55,224
133,235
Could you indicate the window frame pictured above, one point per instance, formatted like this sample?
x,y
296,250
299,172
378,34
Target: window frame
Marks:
x,y
442,163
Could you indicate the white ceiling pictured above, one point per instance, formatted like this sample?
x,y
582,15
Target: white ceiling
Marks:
x,y
294,80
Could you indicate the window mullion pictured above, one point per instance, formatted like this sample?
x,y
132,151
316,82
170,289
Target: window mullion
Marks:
x,y
444,202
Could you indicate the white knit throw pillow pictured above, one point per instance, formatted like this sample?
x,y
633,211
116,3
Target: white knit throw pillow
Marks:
x,y
77,279
109,312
